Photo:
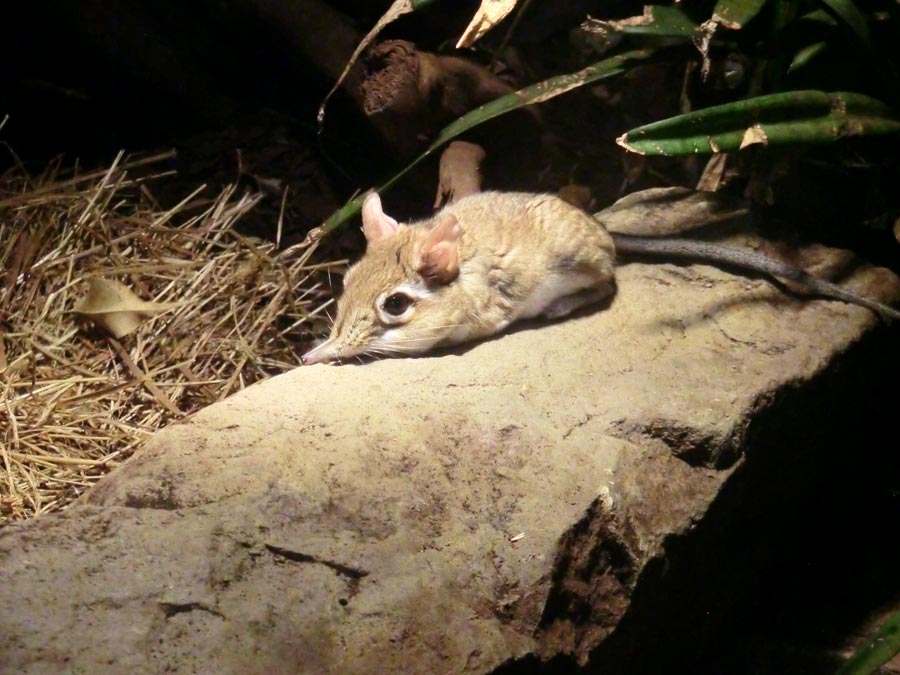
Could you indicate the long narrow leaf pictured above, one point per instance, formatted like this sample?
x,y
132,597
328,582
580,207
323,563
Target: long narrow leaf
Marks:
x,y
799,117
819,16
784,12
489,14
880,649
806,55
852,16
657,21
735,14
532,94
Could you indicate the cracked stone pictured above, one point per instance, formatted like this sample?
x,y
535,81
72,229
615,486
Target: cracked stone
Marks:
x,y
625,443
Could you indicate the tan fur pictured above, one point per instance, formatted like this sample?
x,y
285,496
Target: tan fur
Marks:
x,y
514,249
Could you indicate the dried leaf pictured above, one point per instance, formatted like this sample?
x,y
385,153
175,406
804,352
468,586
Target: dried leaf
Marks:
x,y
459,172
112,306
713,175
753,135
489,14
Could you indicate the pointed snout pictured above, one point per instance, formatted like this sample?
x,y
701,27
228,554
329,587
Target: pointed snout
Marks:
x,y
320,354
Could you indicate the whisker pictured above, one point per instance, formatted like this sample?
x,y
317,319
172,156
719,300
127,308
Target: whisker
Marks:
x,y
423,337
406,346
402,349
413,339
381,351
445,325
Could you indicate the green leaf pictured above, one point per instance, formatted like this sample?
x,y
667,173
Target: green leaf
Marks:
x,y
819,16
784,13
849,13
790,118
658,21
806,55
881,648
735,14
535,93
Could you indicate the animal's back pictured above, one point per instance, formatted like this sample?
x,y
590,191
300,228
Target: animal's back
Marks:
x,y
535,225
531,249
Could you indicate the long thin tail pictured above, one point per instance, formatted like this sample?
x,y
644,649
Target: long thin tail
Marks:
x,y
749,260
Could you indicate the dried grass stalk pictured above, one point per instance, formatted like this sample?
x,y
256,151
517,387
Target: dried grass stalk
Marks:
x,y
75,403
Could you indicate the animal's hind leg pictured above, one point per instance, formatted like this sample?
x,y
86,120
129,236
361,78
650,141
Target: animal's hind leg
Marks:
x,y
569,303
588,272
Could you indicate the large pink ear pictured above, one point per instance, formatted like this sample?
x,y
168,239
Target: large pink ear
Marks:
x,y
440,255
376,223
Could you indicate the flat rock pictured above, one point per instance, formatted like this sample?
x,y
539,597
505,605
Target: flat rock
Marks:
x,y
444,514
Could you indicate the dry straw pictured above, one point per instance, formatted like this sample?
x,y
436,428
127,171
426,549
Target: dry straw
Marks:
x,y
74,401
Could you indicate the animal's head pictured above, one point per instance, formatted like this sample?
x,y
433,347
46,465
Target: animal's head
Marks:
x,y
394,297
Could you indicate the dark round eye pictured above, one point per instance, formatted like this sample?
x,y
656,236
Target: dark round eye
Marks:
x,y
397,303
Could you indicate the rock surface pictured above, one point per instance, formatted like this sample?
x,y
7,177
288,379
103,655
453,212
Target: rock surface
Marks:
x,y
445,514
